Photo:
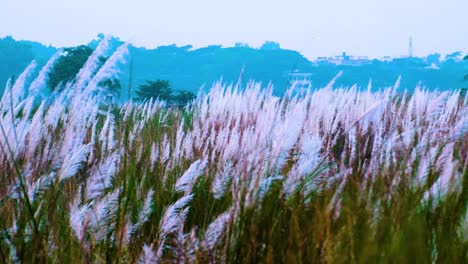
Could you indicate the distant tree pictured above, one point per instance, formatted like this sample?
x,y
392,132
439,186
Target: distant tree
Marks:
x,y
155,89
183,97
68,65
241,45
186,48
270,45
433,58
466,59
161,89
113,41
453,55
173,49
14,58
112,85
465,79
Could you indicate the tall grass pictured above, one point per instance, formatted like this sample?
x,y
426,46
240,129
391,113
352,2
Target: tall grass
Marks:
x,y
238,176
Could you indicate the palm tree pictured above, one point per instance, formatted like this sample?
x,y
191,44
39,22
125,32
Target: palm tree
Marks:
x,y
183,97
160,89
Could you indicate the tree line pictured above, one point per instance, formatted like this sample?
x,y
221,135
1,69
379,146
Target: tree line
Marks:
x,y
73,59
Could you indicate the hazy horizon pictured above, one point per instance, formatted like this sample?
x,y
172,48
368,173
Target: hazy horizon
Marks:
x,y
313,28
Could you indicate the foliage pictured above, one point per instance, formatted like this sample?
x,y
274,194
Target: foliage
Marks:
x,y
14,58
194,68
239,176
183,97
270,45
68,65
161,89
155,89
112,85
464,90
241,45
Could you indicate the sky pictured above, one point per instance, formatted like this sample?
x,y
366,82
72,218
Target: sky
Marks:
x,y
373,28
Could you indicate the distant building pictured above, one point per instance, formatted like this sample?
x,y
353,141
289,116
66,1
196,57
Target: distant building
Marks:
x,y
433,66
300,80
345,60
386,59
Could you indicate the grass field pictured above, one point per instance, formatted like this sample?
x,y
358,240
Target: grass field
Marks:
x,y
238,176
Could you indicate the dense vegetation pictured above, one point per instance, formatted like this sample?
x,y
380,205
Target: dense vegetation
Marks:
x,y
239,176
190,69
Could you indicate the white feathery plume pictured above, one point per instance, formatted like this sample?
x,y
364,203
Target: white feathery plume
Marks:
x,y
92,142
188,179
54,113
329,86
178,146
154,154
172,221
310,154
108,70
41,185
92,64
167,224
129,108
461,127
265,185
144,213
179,237
423,169
221,181
148,256
101,176
73,162
216,230
78,215
102,217
106,136
446,166
188,147
166,149
28,105
38,86
36,129
5,100
19,87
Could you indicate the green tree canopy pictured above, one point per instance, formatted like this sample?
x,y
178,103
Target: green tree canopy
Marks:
x,y
183,97
14,58
270,45
161,89
68,65
155,89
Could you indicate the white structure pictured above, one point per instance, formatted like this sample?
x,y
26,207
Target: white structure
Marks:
x,y
386,59
345,60
300,80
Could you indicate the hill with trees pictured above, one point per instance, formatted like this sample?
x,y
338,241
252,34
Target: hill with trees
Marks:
x,y
189,69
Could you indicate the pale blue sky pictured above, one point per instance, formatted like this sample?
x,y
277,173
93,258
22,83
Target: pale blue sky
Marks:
x,y
316,28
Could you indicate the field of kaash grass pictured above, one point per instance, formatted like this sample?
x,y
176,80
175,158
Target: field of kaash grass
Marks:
x,y
337,175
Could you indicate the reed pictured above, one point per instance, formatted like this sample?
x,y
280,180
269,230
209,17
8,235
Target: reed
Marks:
x,y
238,176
